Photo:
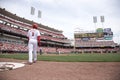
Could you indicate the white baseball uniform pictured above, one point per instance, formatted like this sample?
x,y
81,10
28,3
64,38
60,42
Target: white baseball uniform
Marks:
x,y
32,44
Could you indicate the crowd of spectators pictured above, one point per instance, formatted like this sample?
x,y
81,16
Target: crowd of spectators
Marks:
x,y
12,47
98,50
47,35
95,43
12,29
56,50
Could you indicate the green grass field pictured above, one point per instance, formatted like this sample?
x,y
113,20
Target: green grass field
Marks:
x,y
109,57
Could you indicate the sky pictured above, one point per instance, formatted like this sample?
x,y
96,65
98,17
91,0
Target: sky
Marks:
x,y
69,15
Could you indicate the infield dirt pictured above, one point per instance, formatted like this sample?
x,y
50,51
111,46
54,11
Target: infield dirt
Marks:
x,y
44,70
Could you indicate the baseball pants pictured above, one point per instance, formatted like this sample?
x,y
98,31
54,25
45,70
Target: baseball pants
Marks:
x,y
32,45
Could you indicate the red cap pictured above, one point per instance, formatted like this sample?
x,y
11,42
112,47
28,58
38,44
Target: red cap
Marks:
x,y
35,26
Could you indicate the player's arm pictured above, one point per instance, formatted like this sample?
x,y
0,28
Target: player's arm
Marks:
x,y
28,38
38,39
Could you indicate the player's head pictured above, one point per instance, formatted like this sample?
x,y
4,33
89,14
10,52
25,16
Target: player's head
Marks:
x,y
35,26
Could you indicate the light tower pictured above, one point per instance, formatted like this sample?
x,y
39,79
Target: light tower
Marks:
x,y
95,21
102,19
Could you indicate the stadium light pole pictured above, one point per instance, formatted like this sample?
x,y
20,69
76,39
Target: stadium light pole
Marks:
x,y
102,19
32,12
95,21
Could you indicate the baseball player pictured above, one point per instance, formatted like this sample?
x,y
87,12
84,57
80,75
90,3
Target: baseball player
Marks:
x,y
34,41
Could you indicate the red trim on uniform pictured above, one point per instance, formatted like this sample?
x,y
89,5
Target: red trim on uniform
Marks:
x,y
38,38
28,38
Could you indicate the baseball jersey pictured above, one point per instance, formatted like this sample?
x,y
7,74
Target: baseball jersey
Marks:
x,y
33,34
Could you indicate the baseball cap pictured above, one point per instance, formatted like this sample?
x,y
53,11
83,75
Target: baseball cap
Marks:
x,y
35,26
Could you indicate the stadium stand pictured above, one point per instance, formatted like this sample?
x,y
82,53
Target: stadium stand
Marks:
x,y
99,41
13,30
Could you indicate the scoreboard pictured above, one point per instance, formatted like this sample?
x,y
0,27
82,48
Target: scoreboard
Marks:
x,y
100,33
88,35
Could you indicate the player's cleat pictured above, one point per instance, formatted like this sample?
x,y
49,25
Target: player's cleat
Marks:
x,y
34,61
29,63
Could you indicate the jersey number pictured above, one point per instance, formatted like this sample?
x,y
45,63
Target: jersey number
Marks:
x,y
32,33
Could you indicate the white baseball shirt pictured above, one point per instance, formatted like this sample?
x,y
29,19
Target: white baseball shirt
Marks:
x,y
33,33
